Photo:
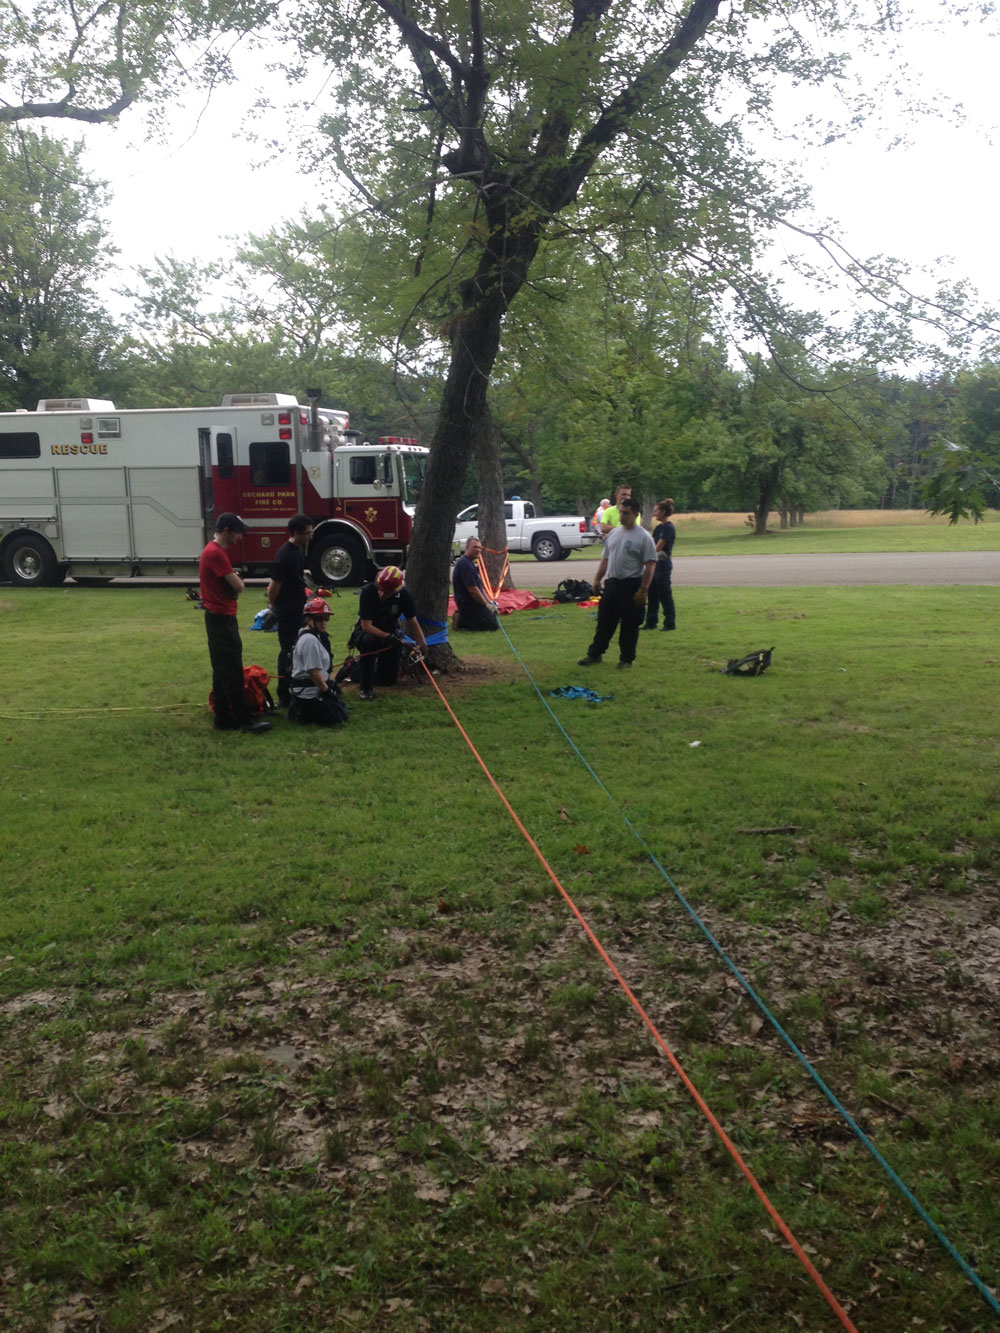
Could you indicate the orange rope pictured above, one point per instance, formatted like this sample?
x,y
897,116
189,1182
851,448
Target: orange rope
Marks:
x,y
699,1101
483,574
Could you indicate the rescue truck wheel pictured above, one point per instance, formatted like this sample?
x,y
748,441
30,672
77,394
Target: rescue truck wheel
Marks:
x,y
339,561
546,547
30,562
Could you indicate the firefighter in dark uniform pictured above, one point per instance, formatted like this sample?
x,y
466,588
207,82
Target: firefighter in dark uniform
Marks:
x,y
286,595
380,607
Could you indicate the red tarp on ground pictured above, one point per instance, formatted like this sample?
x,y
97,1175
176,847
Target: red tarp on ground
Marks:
x,y
508,600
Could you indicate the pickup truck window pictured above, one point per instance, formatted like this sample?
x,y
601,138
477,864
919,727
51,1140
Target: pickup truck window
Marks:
x,y
529,509
508,512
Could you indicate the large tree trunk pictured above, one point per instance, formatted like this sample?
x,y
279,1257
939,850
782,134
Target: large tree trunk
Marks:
x,y
766,494
475,341
489,493
462,406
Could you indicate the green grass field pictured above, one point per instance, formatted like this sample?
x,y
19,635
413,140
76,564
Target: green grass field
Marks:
x,y
296,1033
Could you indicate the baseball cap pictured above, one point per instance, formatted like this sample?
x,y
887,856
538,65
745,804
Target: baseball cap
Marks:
x,y
230,523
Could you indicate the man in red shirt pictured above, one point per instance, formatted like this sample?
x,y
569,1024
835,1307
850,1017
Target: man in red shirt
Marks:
x,y
220,587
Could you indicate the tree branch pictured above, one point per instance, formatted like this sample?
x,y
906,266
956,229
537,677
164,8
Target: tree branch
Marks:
x,y
64,110
414,33
614,120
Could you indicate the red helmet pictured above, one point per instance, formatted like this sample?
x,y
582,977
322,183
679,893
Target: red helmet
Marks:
x,y
390,578
316,607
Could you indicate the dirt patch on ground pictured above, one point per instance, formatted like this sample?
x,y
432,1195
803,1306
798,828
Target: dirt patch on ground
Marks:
x,y
496,1044
469,672
443,1060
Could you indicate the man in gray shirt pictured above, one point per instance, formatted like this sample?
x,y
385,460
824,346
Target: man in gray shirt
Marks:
x,y
629,560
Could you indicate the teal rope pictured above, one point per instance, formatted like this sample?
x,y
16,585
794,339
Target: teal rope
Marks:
x,y
906,1192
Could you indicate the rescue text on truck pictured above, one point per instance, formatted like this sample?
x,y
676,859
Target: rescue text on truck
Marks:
x,y
97,492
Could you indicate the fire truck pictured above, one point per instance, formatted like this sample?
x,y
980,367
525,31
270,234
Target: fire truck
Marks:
x,y
97,492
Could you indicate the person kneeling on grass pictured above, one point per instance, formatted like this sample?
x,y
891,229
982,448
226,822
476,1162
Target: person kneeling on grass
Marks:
x,y
629,560
380,607
473,609
315,696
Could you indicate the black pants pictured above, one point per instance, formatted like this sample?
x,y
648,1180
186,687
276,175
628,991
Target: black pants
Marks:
x,y
326,710
225,649
661,595
615,608
473,615
380,660
289,624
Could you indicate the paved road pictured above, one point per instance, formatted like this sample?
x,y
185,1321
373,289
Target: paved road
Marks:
x,y
788,571
760,571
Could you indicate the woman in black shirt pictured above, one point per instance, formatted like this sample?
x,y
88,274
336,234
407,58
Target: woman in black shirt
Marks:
x,y
660,591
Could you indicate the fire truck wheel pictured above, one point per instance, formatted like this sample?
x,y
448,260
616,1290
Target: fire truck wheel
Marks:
x,y
30,562
339,561
546,546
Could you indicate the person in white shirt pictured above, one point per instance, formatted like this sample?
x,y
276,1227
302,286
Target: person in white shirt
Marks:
x,y
315,696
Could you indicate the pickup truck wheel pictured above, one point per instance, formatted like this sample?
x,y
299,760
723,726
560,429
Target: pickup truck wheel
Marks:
x,y
339,562
31,562
546,547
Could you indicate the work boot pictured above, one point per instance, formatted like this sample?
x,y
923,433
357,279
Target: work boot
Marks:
x,y
366,695
256,724
589,661
652,626
624,666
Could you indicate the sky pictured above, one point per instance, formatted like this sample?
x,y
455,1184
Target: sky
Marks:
x,y
928,199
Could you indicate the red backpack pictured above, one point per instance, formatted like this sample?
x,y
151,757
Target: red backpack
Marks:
x,y
255,692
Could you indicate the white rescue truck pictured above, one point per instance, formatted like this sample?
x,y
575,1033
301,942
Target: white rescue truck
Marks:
x,y
97,492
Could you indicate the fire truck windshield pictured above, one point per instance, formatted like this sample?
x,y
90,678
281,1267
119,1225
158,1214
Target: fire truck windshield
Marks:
x,y
413,476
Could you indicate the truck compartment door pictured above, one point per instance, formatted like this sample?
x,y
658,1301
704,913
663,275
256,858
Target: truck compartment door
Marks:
x,y
268,481
94,511
166,512
28,493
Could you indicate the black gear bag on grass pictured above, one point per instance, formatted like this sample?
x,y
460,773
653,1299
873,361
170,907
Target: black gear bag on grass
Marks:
x,y
754,664
573,590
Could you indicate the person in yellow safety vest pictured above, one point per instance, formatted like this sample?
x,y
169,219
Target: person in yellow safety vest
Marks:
x,y
611,518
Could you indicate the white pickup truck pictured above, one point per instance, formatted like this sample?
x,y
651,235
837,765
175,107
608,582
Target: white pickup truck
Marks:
x,y
546,538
